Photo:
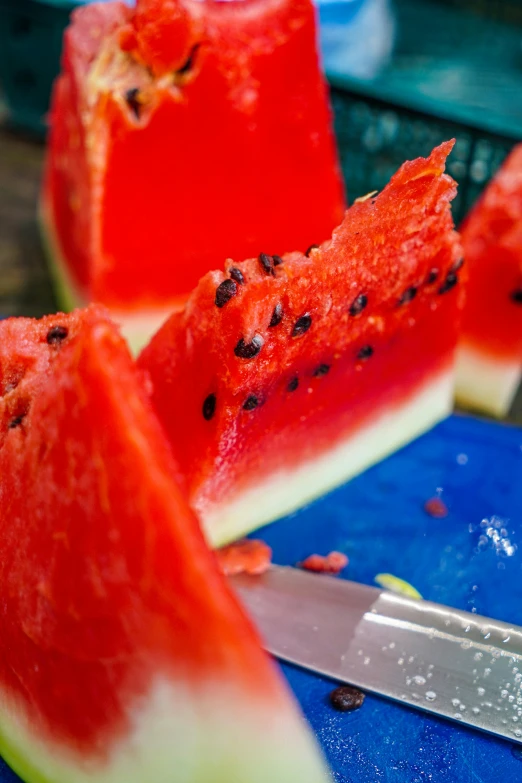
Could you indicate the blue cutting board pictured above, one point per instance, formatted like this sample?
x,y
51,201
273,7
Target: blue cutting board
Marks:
x,y
379,522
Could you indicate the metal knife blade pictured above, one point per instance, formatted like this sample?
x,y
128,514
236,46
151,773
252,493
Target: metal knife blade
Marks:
x,y
452,663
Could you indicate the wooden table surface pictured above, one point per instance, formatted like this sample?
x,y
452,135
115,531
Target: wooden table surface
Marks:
x,y
25,287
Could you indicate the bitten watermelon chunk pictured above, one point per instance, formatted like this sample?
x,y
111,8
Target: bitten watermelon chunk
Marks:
x,y
283,377
489,364
123,658
183,132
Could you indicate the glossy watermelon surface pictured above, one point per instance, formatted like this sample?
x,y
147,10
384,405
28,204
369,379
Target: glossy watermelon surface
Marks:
x,y
124,657
275,364
184,132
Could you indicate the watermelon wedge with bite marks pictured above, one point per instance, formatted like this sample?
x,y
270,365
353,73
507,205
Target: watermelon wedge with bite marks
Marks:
x,y
124,658
489,366
182,132
283,377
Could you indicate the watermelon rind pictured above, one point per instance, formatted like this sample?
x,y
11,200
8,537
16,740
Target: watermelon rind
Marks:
x,y
484,382
286,492
174,738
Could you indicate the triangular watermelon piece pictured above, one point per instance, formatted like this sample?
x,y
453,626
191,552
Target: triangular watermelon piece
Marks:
x,y
489,366
124,658
181,132
283,377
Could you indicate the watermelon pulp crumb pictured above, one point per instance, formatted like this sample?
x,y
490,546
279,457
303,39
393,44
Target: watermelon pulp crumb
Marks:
x,y
250,556
436,507
332,563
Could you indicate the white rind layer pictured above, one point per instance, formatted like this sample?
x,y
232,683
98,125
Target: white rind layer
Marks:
x,y
137,327
286,491
485,383
178,736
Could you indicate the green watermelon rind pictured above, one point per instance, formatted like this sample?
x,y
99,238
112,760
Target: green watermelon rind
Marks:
x,y
68,298
23,769
275,746
285,493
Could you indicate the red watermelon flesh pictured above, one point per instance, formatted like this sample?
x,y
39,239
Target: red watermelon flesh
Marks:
x,y
284,377
123,655
489,363
182,133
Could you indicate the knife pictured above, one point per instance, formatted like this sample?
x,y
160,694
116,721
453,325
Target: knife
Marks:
x,y
445,661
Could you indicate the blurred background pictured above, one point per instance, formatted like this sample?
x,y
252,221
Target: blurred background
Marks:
x,y
404,75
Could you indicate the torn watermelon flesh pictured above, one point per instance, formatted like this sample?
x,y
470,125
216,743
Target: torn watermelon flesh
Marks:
x,y
240,144
492,242
302,394
107,585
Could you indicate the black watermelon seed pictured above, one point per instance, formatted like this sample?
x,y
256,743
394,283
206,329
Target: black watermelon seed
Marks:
x,y
237,275
248,350
365,352
323,369
267,262
408,295
432,276
346,698
449,283
187,66
516,296
56,335
250,403
209,406
277,315
224,292
358,304
14,423
302,325
293,384
133,102
277,260
309,250
457,265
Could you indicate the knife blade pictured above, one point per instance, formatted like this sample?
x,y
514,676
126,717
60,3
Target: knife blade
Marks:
x,y
444,661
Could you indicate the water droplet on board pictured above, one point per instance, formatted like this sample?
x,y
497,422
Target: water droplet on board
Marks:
x,y
430,695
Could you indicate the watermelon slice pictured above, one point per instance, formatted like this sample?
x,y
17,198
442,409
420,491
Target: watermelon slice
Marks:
x,y
181,133
283,377
489,365
123,658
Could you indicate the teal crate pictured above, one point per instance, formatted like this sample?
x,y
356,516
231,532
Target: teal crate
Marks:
x,y
30,45
455,72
